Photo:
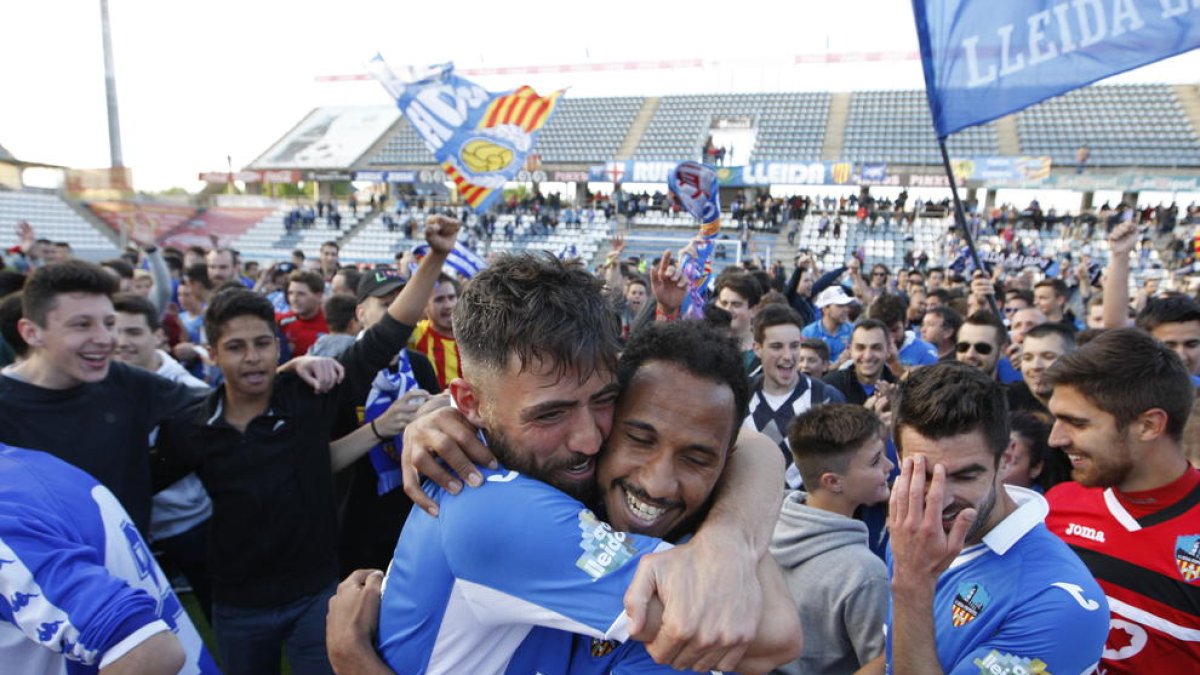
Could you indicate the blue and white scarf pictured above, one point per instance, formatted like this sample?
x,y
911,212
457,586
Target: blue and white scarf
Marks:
x,y
386,389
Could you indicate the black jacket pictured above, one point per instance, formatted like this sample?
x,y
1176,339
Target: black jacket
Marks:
x,y
846,382
273,537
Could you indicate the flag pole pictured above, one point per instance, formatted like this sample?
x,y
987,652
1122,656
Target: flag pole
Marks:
x,y
960,217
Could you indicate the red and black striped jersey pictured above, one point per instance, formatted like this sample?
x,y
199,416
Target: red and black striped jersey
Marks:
x,y
1144,550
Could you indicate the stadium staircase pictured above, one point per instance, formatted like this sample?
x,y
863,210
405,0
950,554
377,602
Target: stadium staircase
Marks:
x,y
1007,137
835,130
362,224
81,209
649,106
269,240
1189,98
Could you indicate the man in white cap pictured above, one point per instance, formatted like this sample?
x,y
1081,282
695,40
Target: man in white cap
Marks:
x,y
834,325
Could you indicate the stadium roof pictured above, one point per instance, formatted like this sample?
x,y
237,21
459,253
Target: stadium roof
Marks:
x,y
6,156
330,137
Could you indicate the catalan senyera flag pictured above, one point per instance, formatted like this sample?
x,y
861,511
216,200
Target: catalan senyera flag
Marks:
x,y
480,138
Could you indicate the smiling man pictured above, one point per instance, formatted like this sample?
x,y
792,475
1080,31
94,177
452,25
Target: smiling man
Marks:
x,y
782,391
68,390
179,513
500,563
870,347
979,584
1132,514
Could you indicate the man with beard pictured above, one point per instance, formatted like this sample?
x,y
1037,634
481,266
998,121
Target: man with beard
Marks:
x,y
1043,345
1133,512
1015,597
434,335
539,343
682,396
980,341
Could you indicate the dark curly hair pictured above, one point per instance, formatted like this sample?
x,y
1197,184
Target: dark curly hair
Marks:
x,y
698,348
542,310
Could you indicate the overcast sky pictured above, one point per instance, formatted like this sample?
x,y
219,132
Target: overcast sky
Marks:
x,y
201,80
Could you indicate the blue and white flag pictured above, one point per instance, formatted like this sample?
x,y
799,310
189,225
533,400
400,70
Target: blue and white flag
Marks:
x,y
984,59
480,138
462,261
696,187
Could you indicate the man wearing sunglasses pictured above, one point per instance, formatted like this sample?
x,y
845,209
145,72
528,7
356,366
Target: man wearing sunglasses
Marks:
x,y
980,341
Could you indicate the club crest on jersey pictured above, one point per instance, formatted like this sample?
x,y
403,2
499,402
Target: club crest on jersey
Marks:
x,y
969,601
602,647
997,663
1187,557
603,549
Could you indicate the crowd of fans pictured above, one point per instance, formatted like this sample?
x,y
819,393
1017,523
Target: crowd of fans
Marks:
x,y
263,430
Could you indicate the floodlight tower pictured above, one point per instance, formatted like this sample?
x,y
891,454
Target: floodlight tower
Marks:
x,y
110,90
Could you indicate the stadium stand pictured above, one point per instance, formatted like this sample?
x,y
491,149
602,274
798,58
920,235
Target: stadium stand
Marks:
x,y
54,219
374,243
144,220
269,240
587,129
404,147
1122,125
226,223
895,126
790,125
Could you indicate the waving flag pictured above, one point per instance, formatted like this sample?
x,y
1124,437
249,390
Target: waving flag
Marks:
x,y
984,59
462,260
480,138
695,185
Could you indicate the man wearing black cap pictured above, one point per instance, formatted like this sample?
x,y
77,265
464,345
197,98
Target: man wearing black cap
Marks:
x,y
371,521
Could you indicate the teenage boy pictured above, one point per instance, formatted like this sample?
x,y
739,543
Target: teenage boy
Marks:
x,y
814,358
839,450
781,392
68,390
261,445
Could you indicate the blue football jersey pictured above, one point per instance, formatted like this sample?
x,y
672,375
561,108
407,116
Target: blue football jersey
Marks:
x,y
465,589
1019,602
78,585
